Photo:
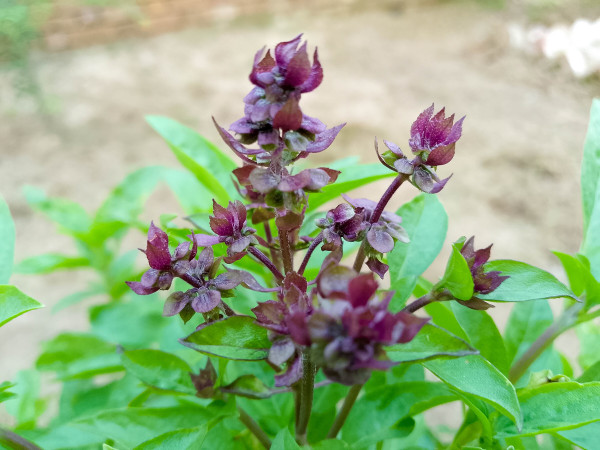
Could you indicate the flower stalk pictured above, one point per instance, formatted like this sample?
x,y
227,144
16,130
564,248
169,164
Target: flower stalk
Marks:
x,y
342,415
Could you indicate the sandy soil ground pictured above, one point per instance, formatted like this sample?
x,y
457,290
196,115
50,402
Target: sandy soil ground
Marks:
x,y
516,171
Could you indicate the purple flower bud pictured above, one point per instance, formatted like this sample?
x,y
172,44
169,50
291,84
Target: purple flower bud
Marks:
x,y
434,137
485,282
163,265
205,381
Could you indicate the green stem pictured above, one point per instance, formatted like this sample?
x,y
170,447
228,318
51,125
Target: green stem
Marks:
x,y
343,414
567,320
254,428
307,385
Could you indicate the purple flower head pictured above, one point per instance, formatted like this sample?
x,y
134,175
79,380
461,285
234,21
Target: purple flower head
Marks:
x,y
280,188
432,140
272,114
286,318
433,137
351,325
163,264
345,222
485,282
229,225
381,235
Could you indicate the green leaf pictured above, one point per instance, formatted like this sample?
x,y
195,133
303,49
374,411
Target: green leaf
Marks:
x,y
248,386
73,355
4,394
477,377
527,321
580,278
589,341
350,178
590,169
13,303
483,335
284,441
237,337
526,282
426,223
70,216
49,262
191,195
553,407
592,373
585,437
210,165
185,439
159,369
7,244
26,407
134,426
457,278
431,342
378,414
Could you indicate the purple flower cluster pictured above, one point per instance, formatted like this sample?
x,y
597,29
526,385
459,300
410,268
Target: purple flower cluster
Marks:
x,y
272,114
345,333
352,222
164,266
432,141
229,225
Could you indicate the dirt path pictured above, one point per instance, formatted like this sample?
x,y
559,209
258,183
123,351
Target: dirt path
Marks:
x,y
516,170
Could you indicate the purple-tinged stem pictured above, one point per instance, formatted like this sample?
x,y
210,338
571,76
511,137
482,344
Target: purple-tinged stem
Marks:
x,y
286,251
266,261
13,440
419,303
316,241
191,280
360,258
254,428
273,252
307,385
343,414
387,195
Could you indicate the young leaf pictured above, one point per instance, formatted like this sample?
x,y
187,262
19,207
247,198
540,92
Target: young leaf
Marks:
x,y
592,373
590,169
553,407
431,342
26,407
526,282
13,303
477,377
184,439
211,167
457,278
483,335
7,244
73,355
4,393
581,279
236,337
159,369
350,178
426,223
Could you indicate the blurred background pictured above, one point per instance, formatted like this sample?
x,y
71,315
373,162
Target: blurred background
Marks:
x,y
77,78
